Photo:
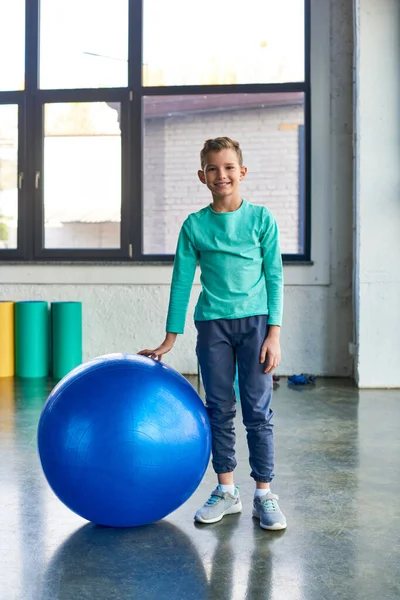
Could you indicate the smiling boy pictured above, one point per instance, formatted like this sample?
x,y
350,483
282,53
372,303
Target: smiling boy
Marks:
x,y
238,317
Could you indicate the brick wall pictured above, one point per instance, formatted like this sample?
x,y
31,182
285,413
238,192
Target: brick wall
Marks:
x,y
269,138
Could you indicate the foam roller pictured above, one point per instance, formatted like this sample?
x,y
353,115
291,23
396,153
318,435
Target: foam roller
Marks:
x,y
66,339
7,339
31,339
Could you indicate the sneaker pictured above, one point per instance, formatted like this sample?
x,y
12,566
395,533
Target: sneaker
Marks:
x,y
218,505
266,508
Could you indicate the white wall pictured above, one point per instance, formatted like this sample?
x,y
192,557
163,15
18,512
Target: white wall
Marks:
x,y
377,193
124,306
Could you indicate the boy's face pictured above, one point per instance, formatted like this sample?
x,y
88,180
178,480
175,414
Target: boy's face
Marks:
x,y
222,173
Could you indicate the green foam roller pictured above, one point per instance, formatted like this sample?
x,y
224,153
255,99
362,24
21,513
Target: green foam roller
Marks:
x,y
31,339
66,342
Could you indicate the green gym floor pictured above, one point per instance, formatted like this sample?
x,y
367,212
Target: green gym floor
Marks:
x,y
338,478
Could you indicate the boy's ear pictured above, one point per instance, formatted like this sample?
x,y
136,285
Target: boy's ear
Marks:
x,y
243,172
201,176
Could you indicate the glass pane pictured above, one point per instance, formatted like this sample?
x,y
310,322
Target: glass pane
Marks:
x,y
82,175
8,176
83,44
260,41
269,130
12,45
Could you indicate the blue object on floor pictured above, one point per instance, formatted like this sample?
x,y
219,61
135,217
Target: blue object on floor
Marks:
x,y
118,428
302,379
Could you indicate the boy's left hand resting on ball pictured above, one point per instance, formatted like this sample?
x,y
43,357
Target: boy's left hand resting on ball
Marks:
x,y
271,349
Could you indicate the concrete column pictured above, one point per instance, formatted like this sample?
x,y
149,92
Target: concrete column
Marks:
x,y
377,193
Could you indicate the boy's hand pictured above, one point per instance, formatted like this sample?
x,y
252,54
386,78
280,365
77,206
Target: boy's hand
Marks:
x,y
271,349
162,349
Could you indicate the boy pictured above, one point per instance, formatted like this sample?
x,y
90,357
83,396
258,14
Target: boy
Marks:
x,y
238,317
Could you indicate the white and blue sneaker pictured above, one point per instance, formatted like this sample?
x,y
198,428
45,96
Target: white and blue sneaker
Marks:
x,y
266,509
218,505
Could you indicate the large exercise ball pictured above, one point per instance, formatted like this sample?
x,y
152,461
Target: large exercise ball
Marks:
x,y
124,440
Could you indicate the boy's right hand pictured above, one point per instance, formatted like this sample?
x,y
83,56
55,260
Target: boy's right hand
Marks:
x,y
162,349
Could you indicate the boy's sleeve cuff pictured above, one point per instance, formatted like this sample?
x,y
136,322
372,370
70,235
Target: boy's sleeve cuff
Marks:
x,y
171,328
275,320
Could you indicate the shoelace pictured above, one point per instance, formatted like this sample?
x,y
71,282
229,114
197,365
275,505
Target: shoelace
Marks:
x,y
270,504
213,500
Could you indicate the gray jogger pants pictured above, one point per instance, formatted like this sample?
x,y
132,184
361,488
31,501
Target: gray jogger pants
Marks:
x,y
220,344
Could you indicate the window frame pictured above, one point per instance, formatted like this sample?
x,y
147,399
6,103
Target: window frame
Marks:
x,y
31,102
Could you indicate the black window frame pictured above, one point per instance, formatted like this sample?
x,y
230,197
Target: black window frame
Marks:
x,y
31,102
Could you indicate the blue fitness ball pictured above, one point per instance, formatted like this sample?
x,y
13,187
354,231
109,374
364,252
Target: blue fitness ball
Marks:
x,y
124,440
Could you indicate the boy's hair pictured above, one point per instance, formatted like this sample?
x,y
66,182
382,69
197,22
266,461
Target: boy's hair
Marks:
x,y
218,144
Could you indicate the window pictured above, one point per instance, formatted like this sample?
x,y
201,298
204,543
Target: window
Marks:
x,y
267,126
260,42
104,108
12,44
83,44
82,175
8,176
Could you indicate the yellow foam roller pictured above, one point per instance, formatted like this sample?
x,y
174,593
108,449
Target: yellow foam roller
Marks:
x,y
6,339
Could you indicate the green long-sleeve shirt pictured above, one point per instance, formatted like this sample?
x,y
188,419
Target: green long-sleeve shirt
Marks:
x,y
240,263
